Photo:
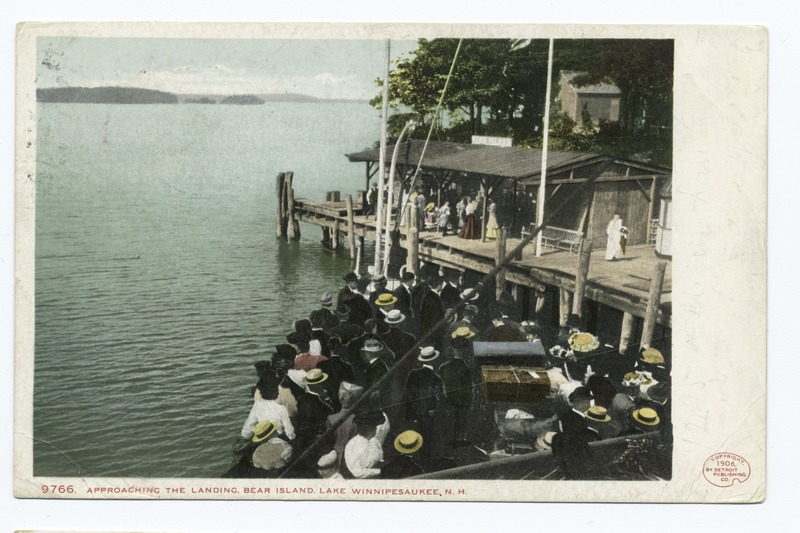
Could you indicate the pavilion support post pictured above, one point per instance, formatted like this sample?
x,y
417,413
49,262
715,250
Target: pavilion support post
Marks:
x,y
653,303
651,207
500,255
581,276
628,330
351,233
293,226
412,259
280,223
485,200
564,305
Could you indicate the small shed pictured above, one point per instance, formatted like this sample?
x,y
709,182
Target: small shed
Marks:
x,y
600,100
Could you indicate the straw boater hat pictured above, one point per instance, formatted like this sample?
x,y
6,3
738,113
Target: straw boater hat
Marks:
x,y
263,430
546,441
326,299
372,345
395,317
469,295
652,356
268,456
597,413
583,342
428,354
328,460
315,376
631,380
462,332
646,416
430,206
408,442
385,299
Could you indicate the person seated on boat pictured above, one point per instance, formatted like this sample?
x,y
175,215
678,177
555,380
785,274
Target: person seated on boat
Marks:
x,y
266,407
271,453
309,360
405,465
363,454
324,317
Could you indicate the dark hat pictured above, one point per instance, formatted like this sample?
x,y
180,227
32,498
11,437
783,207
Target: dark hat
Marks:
x,y
459,342
326,299
342,312
602,388
285,351
659,392
407,276
369,418
380,278
350,276
303,326
298,338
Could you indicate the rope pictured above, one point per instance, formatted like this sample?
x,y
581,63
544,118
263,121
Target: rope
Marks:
x,y
430,132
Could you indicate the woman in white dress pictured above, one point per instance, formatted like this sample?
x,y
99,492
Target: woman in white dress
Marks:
x,y
614,232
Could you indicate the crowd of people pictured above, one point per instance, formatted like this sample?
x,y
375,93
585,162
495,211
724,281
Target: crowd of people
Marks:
x,y
462,219
402,353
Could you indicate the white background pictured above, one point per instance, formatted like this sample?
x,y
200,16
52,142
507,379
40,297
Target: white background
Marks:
x,y
783,451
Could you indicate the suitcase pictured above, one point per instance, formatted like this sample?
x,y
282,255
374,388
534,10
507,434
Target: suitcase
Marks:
x,y
512,384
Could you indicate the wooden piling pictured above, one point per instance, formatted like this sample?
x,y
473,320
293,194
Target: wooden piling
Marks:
x,y
351,231
581,276
653,303
500,255
281,206
293,226
412,260
335,236
628,330
326,237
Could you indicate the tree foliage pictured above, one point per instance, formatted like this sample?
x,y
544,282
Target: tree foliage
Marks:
x,y
498,88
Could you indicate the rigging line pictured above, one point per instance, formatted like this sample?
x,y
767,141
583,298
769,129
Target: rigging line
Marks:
x,y
430,131
479,287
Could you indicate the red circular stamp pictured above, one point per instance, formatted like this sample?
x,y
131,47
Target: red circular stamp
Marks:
x,y
723,469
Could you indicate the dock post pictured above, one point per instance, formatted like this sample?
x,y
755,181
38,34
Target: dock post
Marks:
x,y
293,226
628,329
500,254
412,261
326,237
281,204
581,276
335,236
653,303
564,305
351,232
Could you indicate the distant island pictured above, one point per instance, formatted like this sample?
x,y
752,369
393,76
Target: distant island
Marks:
x,y
133,95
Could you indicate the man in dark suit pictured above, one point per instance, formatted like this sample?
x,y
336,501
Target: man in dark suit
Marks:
x,y
323,317
428,309
457,379
424,393
337,369
376,367
396,339
345,330
360,309
403,294
449,293
313,409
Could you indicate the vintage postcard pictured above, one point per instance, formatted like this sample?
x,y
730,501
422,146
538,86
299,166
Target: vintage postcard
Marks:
x,y
391,262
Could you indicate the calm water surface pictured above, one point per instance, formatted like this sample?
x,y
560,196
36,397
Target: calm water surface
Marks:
x,y
159,280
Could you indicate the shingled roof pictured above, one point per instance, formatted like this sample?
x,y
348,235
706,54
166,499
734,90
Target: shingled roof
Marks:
x,y
597,88
477,159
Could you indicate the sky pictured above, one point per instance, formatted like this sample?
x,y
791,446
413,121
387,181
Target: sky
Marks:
x,y
319,68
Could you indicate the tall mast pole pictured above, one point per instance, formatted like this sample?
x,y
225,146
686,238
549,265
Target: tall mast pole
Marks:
x,y
382,161
545,139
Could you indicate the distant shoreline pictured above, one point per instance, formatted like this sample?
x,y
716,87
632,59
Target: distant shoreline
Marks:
x,y
134,95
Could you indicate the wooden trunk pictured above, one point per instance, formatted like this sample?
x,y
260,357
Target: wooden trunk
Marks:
x,y
511,384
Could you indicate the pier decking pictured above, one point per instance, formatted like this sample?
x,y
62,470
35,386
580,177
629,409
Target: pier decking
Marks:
x,y
624,284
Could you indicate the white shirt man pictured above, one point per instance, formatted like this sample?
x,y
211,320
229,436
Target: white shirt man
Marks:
x,y
268,410
363,457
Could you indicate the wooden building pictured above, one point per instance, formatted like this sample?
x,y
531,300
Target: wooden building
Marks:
x,y
584,190
601,100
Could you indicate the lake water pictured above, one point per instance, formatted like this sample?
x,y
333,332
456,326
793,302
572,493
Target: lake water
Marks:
x,y
159,280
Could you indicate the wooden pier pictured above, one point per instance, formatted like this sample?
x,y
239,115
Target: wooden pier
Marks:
x,y
639,285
